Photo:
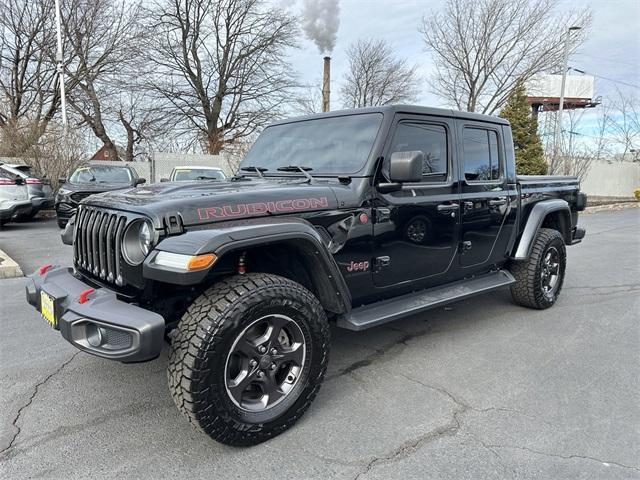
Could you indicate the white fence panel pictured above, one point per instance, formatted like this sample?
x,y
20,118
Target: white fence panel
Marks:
x,y
612,179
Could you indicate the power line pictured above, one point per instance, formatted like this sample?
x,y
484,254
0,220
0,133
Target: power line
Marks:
x,y
605,78
603,59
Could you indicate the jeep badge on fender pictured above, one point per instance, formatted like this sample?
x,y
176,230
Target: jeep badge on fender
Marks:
x,y
355,218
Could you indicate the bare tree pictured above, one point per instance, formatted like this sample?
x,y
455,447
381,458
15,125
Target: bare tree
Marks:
x,y
482,48
220,69
140,121
624,122
101,37
309,99
376,77
28,81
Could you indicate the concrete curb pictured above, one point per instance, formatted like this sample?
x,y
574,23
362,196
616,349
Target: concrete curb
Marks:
x,y
8,267
611,207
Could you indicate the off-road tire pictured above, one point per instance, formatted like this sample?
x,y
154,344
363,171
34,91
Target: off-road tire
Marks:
x,y
204,337
527,291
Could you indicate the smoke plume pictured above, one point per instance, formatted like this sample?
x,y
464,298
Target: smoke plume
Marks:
x,y
320,20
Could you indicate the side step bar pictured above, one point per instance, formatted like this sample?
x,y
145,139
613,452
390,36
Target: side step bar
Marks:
x,y
385,311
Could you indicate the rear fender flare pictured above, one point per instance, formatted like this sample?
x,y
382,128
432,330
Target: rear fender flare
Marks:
x,y
227,237
536,218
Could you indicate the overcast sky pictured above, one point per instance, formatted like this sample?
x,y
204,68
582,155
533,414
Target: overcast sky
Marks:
x,y
612,49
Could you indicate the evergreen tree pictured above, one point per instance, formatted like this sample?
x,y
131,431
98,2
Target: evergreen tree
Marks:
x,y
529,154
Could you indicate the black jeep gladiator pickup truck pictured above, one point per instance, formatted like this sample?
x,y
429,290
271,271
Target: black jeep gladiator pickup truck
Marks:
x,y
357,217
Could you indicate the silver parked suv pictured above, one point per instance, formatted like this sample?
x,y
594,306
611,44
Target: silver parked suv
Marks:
x,y
39,192
14,198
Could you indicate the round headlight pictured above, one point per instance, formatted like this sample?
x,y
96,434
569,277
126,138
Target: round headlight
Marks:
x,y
145,238
137,241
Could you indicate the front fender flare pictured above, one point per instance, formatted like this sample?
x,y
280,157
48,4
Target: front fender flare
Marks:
x,y
226,237
534,221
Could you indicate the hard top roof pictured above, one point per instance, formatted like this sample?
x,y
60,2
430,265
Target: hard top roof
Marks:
x,y
410,109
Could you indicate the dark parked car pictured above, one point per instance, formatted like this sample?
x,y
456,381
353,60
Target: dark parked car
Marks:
x,y
14,196
39,189
359,218
89,180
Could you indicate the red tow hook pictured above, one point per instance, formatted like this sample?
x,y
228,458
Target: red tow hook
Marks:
x,y
82,298
43,269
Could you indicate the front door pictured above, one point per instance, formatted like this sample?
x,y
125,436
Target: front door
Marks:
x,y
416,227
487,198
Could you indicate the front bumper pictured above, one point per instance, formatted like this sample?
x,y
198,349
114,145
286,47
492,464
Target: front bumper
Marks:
x,y
65,210
104,325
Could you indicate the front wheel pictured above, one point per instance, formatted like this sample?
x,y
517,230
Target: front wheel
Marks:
x,y
539,278
248,357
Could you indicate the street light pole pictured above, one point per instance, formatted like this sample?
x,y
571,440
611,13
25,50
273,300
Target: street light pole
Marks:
x,y
565,67
60,69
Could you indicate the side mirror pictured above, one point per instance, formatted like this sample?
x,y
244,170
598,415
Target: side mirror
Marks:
x,y
162,180
62,180
406,166
140,181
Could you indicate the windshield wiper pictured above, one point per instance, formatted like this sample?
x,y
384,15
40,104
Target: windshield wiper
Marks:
x,y
202,177
258,170
297,168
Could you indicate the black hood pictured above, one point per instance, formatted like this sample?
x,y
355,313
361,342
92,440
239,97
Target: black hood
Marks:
x,y
201,202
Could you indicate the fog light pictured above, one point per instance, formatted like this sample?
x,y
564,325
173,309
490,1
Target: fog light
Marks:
x,y
94,335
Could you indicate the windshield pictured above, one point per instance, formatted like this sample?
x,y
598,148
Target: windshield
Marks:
x,y
101,174
197,174
327,145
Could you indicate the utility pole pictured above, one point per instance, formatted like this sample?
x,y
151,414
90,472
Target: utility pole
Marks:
x,y
60,69
565,67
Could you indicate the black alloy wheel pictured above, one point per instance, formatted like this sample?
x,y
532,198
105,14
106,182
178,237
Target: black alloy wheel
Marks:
x,y
265,362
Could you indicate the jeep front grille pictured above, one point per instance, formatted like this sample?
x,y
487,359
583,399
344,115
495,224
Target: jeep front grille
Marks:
x,y
97,244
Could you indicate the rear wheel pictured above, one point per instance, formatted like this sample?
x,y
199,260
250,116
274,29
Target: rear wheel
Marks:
x,y
539,278
248,358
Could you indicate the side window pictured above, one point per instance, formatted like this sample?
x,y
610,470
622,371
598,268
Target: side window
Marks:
x,y
481,161
430,140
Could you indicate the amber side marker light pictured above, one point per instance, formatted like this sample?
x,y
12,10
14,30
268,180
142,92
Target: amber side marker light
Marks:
x,y
198,262
186,263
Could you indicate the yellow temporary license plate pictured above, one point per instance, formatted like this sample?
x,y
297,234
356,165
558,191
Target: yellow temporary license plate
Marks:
x,y
47,309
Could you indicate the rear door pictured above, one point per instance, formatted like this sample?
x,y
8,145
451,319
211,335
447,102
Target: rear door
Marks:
x,y
416,227
488,201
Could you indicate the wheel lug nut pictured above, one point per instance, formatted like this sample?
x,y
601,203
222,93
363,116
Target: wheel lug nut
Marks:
x,y
273,351
253,362
262,349
260,374
272,366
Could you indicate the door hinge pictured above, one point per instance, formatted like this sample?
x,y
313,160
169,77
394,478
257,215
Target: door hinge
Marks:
x,y
380,262
381,215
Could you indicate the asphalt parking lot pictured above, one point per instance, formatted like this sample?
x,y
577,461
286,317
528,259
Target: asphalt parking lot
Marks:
x,y
483,389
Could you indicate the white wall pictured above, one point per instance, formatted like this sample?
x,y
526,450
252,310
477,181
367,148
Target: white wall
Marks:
x,y
615,179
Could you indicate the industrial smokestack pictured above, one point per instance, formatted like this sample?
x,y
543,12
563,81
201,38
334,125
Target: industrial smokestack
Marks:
x,y
326,82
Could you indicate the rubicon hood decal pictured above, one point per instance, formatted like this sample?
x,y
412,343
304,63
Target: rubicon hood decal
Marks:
x,y
262,208
208,202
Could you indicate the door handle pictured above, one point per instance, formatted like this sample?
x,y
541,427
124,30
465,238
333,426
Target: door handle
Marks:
x,y
498,201
447,207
